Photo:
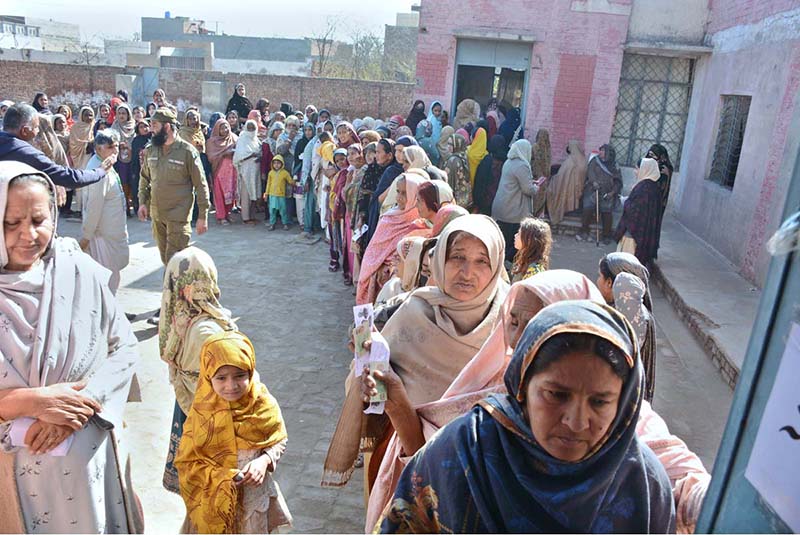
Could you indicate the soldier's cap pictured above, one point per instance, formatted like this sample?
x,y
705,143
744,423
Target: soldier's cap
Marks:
x,y
164,115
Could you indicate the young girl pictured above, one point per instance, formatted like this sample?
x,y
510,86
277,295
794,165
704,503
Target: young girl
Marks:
x,y
279,178
533,242
232,440
336,214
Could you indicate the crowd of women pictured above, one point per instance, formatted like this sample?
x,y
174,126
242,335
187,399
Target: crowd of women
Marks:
x,y
517,396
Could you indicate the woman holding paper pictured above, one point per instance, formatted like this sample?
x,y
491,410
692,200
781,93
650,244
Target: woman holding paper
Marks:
x,y
67,356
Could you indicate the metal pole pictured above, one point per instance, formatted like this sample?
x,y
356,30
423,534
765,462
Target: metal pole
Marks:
x,y
597,216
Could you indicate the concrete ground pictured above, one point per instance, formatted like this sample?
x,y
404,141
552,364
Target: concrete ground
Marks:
x,y
296,314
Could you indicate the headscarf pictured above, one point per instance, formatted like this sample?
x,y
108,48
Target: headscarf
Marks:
x,y
287,108
565,189
353,134
241,105
445,215
618,487
216,430
463,133
415,115
402,131
300,148
648,170
436,122
47,140
369,136
271,141
511,129
38,107
79,137
255,115
441,145
395,122
235,127
410,252
425,140
217,145
190,293
542,160
476,152
391,228
247,144
406,141
467,111
216,116
521,149
384,131
416,157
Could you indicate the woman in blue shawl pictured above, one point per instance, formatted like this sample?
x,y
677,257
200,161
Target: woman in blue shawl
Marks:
x,y
424,135
511,129
435,118
558,453
391,170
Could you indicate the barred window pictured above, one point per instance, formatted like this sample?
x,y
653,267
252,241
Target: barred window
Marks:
x,y
730,137
653,105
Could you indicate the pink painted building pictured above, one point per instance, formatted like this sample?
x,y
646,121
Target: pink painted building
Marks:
x,y
714,81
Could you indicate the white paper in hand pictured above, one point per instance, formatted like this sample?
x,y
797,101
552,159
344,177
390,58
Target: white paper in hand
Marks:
x,y
378,360
19,428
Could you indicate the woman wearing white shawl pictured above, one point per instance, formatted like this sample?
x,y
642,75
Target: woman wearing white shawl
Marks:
x,y
248,168
65,344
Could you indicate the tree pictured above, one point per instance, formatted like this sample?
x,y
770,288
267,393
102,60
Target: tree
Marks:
x,y
89,56
367,55
323,40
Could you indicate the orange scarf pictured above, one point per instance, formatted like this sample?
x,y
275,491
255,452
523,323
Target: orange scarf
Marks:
x,y
215,431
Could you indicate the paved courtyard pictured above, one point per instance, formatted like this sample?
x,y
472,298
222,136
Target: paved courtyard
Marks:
x,y
296,314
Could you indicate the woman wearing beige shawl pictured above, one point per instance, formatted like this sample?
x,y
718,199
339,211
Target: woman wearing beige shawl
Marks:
x,y
432,336
190,314
541,161
442,146
80,136
564,190
47,141
467,111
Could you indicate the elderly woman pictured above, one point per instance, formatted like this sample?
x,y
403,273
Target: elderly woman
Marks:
x,y
565,189
431,337
190,314
67,358
246,159
560,447
639,228
80,139
125,127
104,231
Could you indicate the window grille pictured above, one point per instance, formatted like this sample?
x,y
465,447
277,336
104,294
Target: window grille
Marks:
x,y
730,137
653,105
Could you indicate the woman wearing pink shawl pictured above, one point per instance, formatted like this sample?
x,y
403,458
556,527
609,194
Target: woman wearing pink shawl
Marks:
x,y
220,148
393,226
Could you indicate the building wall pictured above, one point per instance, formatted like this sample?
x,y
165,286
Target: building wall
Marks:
x,y
675,21
759,57
77,84
577,56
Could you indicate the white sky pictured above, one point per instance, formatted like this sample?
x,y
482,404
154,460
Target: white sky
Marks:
x,y
258,18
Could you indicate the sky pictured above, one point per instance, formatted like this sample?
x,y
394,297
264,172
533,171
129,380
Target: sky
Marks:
x,y
298,18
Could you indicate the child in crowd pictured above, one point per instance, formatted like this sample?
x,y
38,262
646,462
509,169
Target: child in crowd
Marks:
x,y
277,182
533,242
337,174
232,440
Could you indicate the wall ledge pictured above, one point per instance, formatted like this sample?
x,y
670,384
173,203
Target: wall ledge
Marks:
x,y
661,48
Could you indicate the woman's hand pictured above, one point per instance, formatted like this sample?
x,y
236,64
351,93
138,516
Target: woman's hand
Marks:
x,y
254,471
43,437
395,390
63,404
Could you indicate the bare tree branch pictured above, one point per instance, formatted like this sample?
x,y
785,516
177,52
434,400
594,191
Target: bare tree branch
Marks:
x,y
323,39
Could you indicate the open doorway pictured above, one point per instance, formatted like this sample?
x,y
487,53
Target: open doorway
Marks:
x,y
483,83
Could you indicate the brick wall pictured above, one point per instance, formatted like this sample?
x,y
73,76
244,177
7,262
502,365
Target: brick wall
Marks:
x,y
580,103
728,13
350,98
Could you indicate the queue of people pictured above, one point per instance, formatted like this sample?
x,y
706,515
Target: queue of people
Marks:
x,y
536,383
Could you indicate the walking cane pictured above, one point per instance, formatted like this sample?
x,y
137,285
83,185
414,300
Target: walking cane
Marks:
x,y
597,216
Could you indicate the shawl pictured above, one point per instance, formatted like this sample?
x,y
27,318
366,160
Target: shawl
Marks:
x,y
82,336
300,149
410,251
641,212
391,228
415,115
431,337
369,136
467,111
218,146
457,169
403,131
48,142
241,105
247,144
565,189
388,174
127,131
436,122
216,116
486,472
255,115
79,137
193,135
483,374
190,294
541,154
395,122
486,178
353,135
511,129
445,215
441,144
215,431
424,133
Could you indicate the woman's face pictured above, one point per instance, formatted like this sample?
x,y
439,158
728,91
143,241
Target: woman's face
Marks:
x,y
87,116
151,109
143,129
423,210
572,403
398,154
43,101
369,156
340,160
328,127
324,117
276,133
402,197
233,120
192,121
468,269
450,145
122,113
355,158
518,240
240,90
138,114
224,129
251,128
526,305
27,225
437,111
383,157
308,131
104,111
158,97
606,287
59,125
230,383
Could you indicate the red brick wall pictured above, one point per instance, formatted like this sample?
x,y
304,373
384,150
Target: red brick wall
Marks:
x,y
19,80
572,98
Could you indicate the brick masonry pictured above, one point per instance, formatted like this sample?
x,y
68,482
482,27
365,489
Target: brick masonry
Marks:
x,y
19,80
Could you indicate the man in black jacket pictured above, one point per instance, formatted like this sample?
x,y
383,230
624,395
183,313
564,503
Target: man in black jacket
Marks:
x,y
20,126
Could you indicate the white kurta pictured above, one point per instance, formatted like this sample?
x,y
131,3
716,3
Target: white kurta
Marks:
x,y
104,222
